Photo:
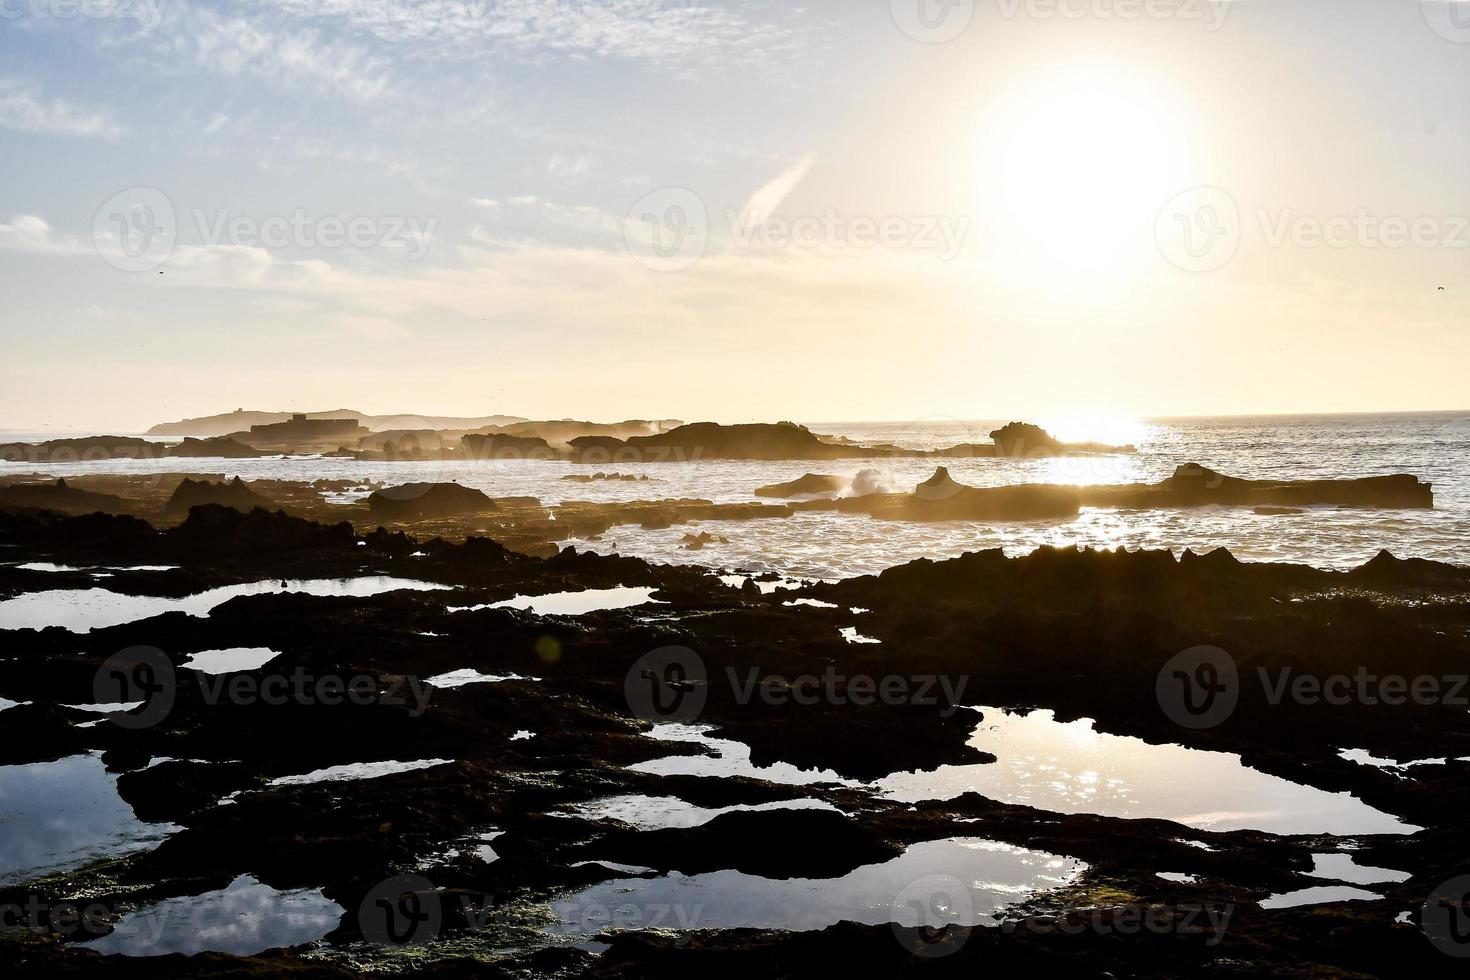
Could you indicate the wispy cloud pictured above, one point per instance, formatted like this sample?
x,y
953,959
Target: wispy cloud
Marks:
x,y
764,202
674,35
22,108
271,49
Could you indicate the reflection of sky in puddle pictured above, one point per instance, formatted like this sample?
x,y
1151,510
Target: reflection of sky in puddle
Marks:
x,y
1342,867
733,759
1320,895
573,603
243,919
1365,758
57,816
460,678
663,812
357,770
977,877
82,610
229,661
1072,768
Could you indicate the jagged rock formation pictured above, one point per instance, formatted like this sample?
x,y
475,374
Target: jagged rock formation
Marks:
x,y
232,493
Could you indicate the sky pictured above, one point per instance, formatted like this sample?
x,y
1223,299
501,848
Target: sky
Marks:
x,y
733,210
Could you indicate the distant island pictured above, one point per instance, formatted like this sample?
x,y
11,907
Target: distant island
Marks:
x,y
241,420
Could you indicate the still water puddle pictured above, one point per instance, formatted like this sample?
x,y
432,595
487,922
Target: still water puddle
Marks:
x,y
730,758
1073,768
58,816
670,812
461,678
977,878
243,919
231,660
1342,867
1320,895
357,770
1365,758
83,610
572,603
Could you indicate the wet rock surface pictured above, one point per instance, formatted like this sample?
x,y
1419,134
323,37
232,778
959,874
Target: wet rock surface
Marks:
x,y
282,772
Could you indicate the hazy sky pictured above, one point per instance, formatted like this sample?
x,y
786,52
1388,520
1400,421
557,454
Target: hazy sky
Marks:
x,y
852,209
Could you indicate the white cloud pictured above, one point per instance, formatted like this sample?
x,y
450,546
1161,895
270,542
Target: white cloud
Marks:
x,y
21,108
31,233
566,167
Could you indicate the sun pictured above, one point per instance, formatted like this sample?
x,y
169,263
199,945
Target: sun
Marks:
x,y
1075,164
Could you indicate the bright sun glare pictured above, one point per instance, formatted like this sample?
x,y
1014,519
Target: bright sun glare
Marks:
x,y
1073,163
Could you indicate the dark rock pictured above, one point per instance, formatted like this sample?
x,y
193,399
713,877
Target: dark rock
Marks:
x,y
216,446
59,497
507,447
81,449
812,483
232,493
1193,485
941,498
418,501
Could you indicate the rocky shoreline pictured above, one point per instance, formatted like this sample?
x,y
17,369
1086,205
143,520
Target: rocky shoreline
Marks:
x,y
563,726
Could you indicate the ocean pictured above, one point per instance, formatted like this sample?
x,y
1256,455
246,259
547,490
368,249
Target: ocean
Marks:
x,y
1433,446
